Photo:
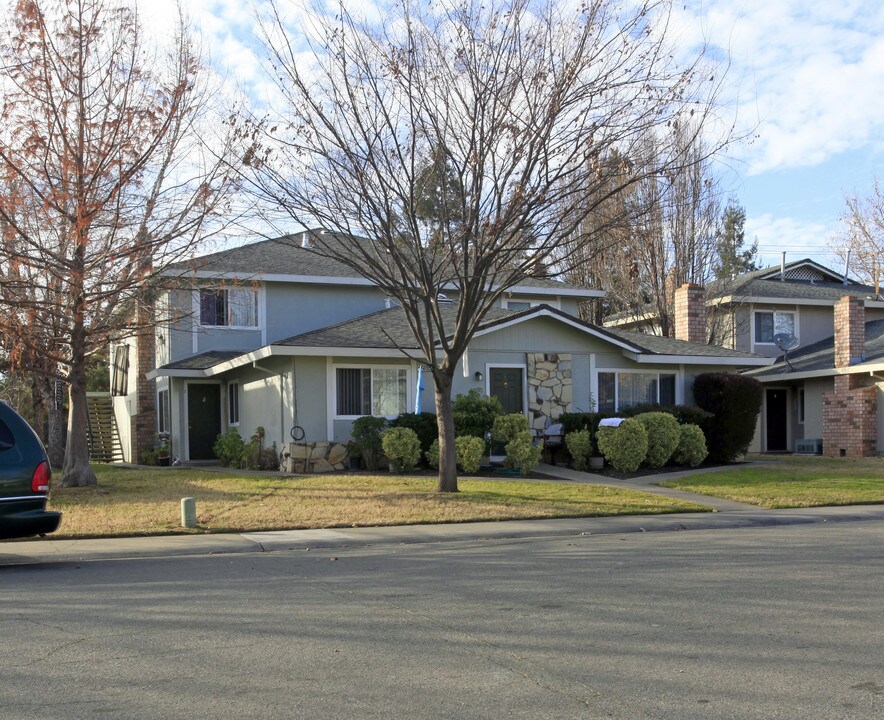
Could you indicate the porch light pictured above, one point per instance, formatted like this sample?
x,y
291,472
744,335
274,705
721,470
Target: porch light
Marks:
x,y
479,376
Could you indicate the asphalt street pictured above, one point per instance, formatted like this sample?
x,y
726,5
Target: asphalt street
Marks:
x,y
770,622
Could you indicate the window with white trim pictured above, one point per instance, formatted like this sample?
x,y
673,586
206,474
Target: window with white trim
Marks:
x,y
801,405
233,403
381,391
771,323
228,307
618,390
164,412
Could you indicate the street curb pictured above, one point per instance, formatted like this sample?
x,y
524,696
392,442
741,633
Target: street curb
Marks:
x,y
55,551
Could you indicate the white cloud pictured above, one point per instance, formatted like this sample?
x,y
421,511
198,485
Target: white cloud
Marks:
x,y
807,74
798,238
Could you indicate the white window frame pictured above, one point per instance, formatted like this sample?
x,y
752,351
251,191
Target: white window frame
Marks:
x,y
679,379
793,313
233,392
801,410
161,417
256,292
333,386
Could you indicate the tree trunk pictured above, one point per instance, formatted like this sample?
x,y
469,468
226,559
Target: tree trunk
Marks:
x,y
55,435
445,421
77,471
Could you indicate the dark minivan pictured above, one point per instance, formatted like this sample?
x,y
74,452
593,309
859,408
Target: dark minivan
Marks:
x,y
24,479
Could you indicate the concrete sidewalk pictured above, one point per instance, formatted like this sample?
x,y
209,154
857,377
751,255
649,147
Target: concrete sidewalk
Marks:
x,y
47,551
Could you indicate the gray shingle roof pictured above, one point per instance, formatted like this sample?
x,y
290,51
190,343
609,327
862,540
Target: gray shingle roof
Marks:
x,y
389,329
821,355
286,256
203,361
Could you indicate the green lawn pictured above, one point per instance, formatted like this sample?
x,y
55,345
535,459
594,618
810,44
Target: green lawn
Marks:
x,y
794,482
147,502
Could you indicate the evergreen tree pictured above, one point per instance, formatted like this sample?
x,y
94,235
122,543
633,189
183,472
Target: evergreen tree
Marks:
x,y
733,258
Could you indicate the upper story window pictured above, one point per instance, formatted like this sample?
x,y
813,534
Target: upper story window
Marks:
x,y
769,324
229,307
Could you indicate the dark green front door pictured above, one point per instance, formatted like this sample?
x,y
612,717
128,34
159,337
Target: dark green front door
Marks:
x,y
506,386
777,421
203,420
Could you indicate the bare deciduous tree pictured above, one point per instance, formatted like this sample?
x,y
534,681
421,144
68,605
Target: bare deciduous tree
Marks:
x,y
863,235
104,180
519,97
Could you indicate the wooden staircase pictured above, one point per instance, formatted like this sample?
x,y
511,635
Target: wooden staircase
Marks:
x,y
104,439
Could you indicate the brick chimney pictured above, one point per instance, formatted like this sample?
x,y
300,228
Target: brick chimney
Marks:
x,y
850,410
850,330
690,313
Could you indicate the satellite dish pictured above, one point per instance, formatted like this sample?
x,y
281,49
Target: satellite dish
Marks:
x,y
785,341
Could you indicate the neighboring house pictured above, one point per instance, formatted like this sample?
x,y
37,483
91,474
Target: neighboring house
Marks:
x,y
830,392
746,313
274,335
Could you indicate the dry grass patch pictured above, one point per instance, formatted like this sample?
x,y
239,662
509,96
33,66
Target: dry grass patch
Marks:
x,y
794,482
146,502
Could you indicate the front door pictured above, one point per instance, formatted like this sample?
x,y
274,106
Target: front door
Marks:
x,y
776,420
203,420
506,385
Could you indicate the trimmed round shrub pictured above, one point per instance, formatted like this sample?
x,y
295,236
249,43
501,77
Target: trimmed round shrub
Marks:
x,y
662,436
522,453
366,433
424,424
624,447
691,448
506,427
230,448
474,413
470,450
402,448
432,454
579,445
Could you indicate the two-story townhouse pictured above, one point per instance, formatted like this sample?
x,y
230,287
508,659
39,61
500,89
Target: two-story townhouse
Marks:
x,y
273,335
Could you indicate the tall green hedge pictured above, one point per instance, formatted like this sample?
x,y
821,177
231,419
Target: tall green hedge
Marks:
x,y
734,401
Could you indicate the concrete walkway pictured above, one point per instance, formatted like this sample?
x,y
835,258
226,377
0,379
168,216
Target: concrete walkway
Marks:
x,y
646,483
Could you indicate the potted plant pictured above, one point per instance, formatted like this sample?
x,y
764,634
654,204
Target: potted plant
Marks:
x,y
164,452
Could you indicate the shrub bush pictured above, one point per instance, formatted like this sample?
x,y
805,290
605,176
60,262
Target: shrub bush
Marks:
x,y
402,447
579,445
522,453
662,429
682,413
474,413
366,433
149,456
470,450
734,401
432,454
230,448
424,424
625,446
506,427
691,450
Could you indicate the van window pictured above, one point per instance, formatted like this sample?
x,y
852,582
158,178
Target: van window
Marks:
x,y
7,439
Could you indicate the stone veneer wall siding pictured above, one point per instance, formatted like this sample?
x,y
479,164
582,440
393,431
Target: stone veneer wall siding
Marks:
x,y
313,457
550,387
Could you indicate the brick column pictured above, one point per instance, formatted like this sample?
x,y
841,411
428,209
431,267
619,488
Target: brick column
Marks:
x,y
690,313
850,410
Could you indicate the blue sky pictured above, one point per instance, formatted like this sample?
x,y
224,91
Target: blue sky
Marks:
x,y
806,79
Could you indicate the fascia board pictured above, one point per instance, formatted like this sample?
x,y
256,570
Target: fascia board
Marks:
x,y
649,359
830,372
